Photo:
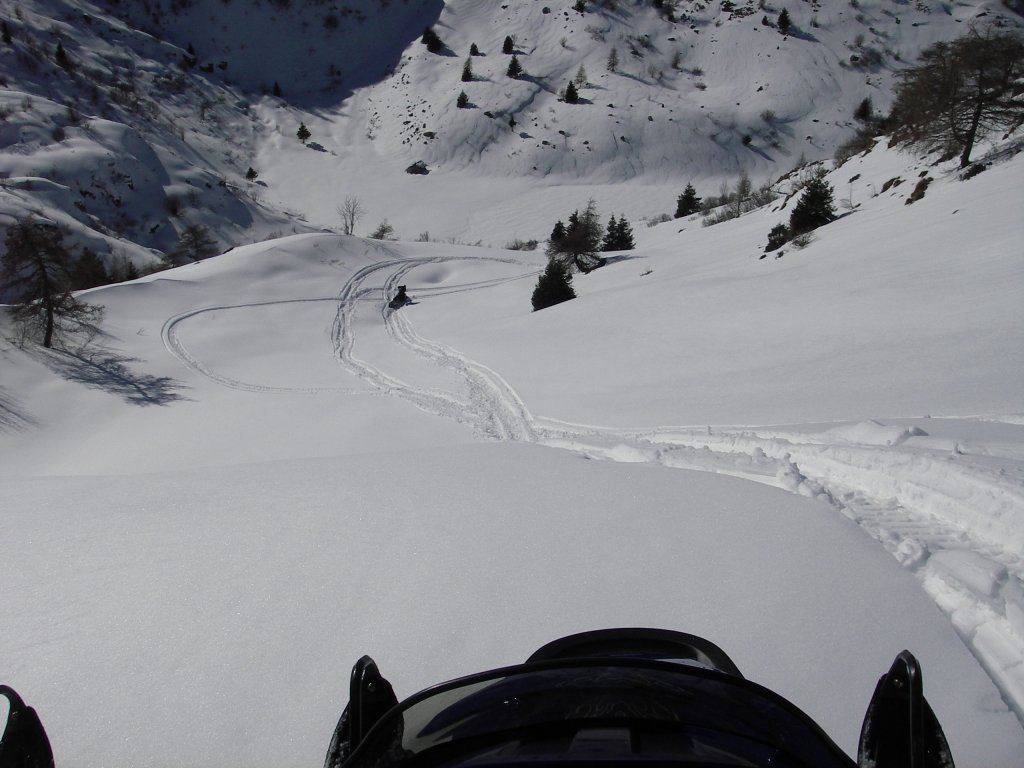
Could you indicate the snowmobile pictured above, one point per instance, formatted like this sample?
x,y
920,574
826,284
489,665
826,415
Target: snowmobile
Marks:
x,y
649,697
400,299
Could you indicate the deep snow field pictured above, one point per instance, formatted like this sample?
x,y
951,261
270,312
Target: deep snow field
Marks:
x,y
258,472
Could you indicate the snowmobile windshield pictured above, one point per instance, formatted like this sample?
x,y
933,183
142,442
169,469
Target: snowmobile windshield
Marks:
x,y
609,712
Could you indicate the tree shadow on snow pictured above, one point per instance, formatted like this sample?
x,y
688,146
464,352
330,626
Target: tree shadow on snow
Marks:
x,y
620,258
102,368
801,34
12,417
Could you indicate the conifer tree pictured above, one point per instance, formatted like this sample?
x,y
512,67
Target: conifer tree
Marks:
x,y
37,269
581,242
474,50
463,101
625,235
618,236
432,40
467,71
613,61
688,202
815,207
784,22
509,45
89,271
865,111
553,286
610,242
515,69
5,32
194,244
558,233
60,56
571,94
303,133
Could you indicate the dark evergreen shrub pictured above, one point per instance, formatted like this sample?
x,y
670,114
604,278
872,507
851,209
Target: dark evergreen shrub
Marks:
x,y
553,286
784,23
432,41
815,207
688,202
777,237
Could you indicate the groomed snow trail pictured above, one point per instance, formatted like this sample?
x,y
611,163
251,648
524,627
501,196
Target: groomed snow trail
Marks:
x,y
950,512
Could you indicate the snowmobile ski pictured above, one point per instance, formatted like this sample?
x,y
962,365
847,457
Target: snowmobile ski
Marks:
x,y
899,727
23,740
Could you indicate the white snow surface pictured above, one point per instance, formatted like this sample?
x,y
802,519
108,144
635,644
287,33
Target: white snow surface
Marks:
x,y
259,473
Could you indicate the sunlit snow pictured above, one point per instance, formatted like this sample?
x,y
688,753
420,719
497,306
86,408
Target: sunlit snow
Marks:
x,y
260,472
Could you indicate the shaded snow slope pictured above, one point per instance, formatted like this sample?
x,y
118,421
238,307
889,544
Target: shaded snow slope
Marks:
x,y
125,144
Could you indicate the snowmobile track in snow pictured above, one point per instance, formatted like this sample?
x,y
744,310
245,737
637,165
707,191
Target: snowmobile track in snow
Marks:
x,y
910,498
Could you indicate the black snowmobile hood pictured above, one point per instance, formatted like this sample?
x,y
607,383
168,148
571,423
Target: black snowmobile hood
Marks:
x,y
598,711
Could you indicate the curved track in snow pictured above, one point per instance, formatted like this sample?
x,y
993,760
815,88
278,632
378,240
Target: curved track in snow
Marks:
x,y
940,510
170,333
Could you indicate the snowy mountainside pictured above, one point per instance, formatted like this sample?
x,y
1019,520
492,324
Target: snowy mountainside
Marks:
x,y
161,108
106,132
700,99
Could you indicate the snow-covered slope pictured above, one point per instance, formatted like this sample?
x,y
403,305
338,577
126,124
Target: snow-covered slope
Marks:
x,y
260,472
